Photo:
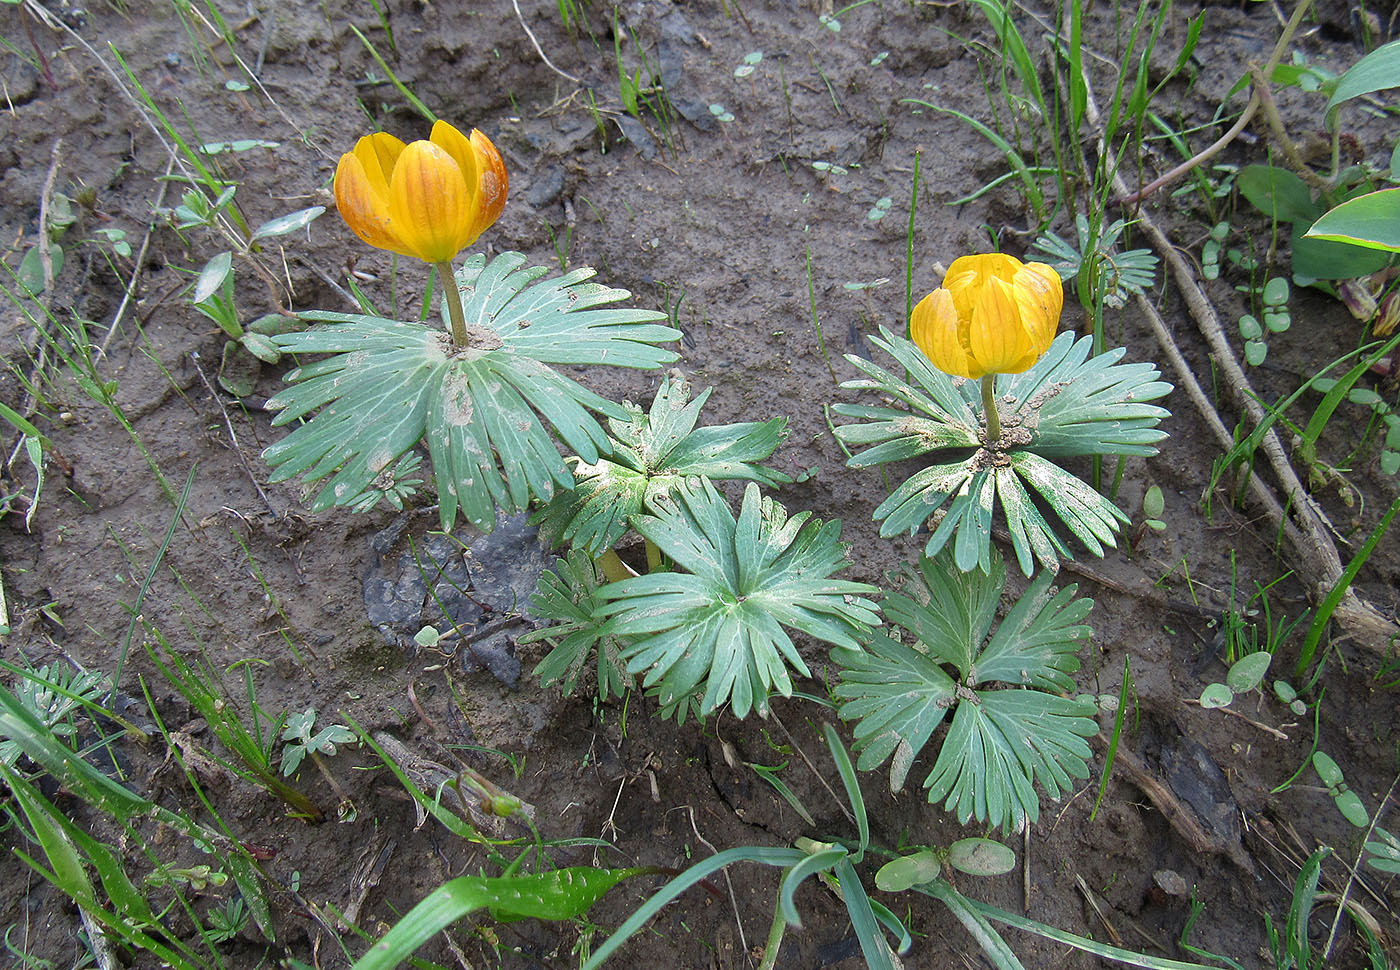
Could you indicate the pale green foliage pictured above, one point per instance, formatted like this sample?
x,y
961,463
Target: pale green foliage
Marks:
x,y
568,595
1069,404
391,384
301,742
1001,740
717,624
653,452
53,694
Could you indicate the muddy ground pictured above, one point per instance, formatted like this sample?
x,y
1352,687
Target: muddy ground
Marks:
x,y
731,228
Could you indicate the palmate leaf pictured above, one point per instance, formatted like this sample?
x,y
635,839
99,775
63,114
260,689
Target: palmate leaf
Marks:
x,y
718,624
1068,405
653,452
1008,729
568,595
390,384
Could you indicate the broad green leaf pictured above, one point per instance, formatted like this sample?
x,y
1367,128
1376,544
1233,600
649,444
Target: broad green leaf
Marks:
x,y
261,347
31,269
1248,672
482,409
562,894
1001,741
290,222
1377,71
718,625
1278,193
900,874
212,276
1068,404
1327,769
1326,259
1216,695
1350,805
981,857
1371,220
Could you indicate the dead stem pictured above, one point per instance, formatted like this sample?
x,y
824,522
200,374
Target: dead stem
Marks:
x,y
1133,199
1303,524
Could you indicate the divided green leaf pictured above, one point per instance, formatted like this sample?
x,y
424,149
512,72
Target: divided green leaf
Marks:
x,y
568,595
653,453
718,626
1010,727
390,384
1068,405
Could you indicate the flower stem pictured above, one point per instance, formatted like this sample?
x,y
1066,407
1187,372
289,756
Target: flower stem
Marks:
x,y
989,405
613,567
453,296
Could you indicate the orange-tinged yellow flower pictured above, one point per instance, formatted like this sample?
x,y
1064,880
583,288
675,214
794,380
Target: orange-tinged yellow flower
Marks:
x,y
429,199
993,315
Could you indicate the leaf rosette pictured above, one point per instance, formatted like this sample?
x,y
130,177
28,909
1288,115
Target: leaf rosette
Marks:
x,y
717,626
1067,405
567,597
1010,727
653,453
389,384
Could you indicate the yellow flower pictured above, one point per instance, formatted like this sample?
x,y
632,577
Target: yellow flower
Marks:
x,y
430,199
993,315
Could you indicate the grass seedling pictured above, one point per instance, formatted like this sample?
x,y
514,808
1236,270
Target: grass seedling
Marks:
x,y
1114,738
135,609
202,175
1339,589
909,242
70,850
250,741
382,12
399,86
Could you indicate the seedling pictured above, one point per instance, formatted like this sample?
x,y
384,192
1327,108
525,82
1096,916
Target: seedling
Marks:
x,y
973,856
1153,507
1346,800
1120,275
247,348
1245,674
53,694
301,742
1385,852
1274,296
227,921
321,745
721,113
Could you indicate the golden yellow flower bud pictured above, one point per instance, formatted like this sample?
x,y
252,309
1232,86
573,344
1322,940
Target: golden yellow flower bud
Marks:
x,y
993,315
430,199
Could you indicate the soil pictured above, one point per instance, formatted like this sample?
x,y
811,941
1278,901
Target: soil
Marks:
x,y
730,226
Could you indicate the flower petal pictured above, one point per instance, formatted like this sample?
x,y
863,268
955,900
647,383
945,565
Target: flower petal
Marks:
x,y
378,153
1041,297
933,326
455,143
365,210
997,338
491,187
428,202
